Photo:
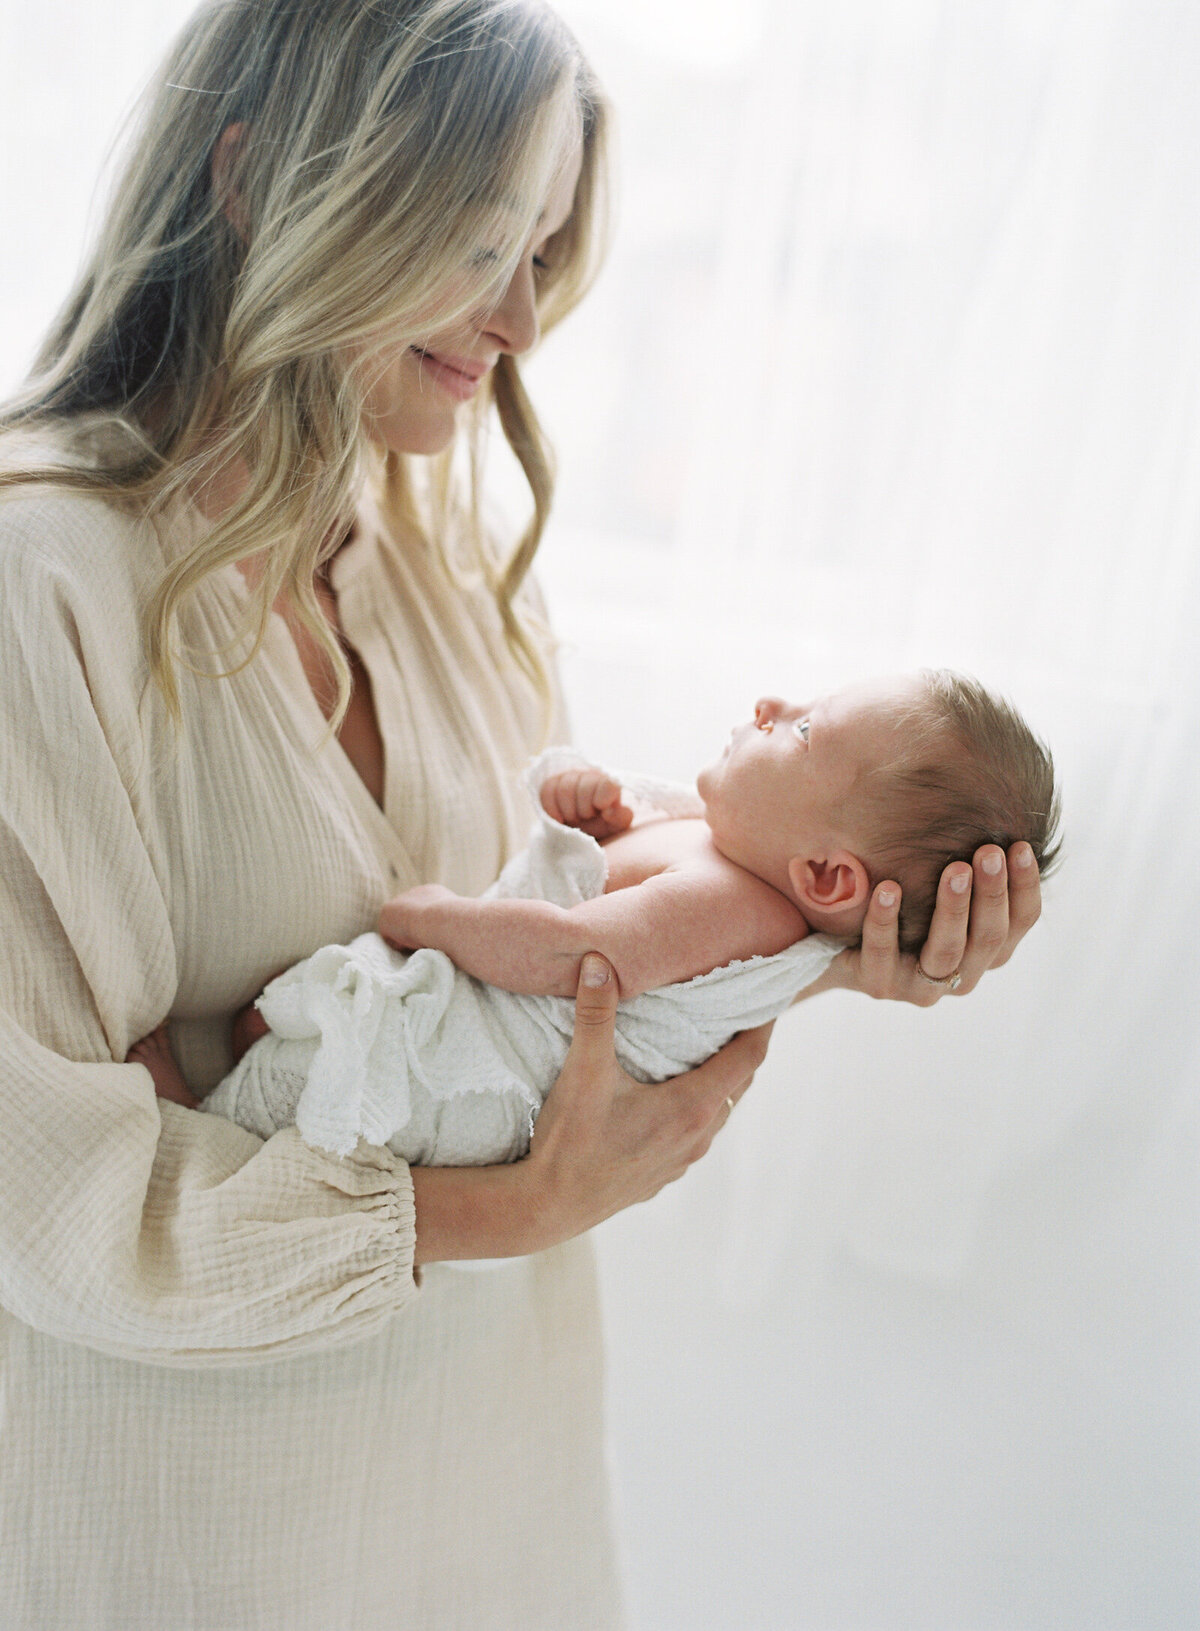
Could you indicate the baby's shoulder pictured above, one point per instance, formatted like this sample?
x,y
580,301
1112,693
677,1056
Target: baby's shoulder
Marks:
x,y
659,845
680,855
767,919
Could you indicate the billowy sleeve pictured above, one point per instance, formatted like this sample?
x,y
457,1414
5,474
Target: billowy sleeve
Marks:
x,y
129,1224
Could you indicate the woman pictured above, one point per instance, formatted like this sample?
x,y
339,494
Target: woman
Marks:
x,y
231,1398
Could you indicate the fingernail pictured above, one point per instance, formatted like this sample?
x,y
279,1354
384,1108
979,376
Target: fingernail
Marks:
x,y
959,882
991,864
1023,856
887,897
595,970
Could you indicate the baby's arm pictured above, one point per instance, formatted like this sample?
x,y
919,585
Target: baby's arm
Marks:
x,y
672,927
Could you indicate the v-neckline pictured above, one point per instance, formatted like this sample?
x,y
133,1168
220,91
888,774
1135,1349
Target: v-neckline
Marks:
x,y
373,816
361,676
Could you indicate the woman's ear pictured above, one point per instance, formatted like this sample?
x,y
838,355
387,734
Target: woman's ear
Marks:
x,y
225,186
838,882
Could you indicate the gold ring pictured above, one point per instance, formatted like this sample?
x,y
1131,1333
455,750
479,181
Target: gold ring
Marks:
x,y
948,982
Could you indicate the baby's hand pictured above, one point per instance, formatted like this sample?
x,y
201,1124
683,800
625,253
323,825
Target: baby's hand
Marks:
x,y
403,922
154,1051
248,1027
588,799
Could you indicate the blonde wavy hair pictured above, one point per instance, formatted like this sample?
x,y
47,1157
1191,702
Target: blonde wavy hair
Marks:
x,y
393,150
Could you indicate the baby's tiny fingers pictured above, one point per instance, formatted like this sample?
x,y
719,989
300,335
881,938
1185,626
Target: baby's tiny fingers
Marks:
x,y
587,791
608,793
554,796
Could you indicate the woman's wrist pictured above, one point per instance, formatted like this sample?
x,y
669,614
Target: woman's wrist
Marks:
x,y
839,976
475,1212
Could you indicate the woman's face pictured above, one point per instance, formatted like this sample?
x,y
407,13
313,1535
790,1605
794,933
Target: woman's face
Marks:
x,y
415,394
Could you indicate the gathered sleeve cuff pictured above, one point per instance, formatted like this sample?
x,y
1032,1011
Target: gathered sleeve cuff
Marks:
x,y
154,1233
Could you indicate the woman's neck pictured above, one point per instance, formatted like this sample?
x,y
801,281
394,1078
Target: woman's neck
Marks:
x,y
220,487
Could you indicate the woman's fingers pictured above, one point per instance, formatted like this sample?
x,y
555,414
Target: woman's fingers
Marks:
x,y
596,1000
981,913
703,1092
712,1090
879,956
603,1141
572,1122
988,927
1024,897
946,943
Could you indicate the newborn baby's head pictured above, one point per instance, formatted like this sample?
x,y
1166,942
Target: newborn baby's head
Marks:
x,y
894,778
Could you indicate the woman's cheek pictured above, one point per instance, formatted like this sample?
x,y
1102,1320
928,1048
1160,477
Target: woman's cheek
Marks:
x,y
404,412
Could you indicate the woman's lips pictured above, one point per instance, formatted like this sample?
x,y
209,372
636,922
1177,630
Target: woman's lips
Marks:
x,y
461,381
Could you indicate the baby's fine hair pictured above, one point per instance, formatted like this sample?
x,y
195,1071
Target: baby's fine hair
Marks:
x,y
970,772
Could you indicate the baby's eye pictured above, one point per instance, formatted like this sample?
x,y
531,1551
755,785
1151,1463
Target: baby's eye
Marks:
x,y
800,726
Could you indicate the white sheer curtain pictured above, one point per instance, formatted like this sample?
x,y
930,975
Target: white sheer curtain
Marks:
x,y
897,362
915,1348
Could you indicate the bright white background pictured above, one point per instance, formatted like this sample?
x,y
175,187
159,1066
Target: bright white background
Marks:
x,y
897,361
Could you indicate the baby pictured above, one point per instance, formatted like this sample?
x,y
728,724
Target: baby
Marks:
x,y
714,915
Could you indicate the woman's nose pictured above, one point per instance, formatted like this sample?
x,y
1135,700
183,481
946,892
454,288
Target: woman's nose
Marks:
x,y
767,710
513,324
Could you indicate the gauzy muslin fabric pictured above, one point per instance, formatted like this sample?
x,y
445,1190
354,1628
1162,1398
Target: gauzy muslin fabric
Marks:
x,y
225,1402
408,1051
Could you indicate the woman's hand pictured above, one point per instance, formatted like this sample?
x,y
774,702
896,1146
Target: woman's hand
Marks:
x,y
601,1142
154,1052
586,798
982,912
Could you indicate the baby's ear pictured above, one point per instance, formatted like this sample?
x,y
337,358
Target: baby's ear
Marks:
x,y
837,882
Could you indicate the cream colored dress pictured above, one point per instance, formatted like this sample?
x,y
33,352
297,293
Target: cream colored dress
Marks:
x,y
224,1403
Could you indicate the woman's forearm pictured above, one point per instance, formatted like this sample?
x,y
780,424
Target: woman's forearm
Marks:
x,y
466,1212
835,978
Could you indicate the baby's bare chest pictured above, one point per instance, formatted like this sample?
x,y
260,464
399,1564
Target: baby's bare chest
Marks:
x,y
658,846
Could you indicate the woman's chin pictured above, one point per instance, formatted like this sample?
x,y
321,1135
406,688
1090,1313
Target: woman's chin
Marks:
x,y
407,434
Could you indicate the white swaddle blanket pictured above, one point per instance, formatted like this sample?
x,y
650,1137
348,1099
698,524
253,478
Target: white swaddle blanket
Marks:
x,y
404,1049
